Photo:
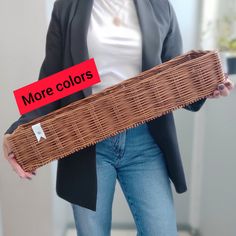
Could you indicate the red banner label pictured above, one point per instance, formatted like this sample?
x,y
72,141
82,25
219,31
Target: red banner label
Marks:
x,y
56,86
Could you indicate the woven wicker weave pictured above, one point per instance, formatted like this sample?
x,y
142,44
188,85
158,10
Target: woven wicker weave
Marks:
x,y
153,93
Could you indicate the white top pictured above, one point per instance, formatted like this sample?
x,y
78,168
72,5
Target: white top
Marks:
x,y
117,50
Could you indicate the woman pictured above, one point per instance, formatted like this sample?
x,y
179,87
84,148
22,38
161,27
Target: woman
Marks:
x,y
125,38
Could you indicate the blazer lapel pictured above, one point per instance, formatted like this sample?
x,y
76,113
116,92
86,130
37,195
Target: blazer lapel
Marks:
x,y
79,29
78,32
150,33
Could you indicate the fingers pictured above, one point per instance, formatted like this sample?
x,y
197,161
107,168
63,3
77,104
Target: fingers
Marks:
x,y
215,94
226,87
226,76
10,157
229,84
224,91
17,168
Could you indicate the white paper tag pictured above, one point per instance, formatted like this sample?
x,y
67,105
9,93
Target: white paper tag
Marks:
x,y
38,131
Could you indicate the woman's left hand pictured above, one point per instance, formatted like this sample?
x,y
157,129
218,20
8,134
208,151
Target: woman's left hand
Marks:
x,y
223,89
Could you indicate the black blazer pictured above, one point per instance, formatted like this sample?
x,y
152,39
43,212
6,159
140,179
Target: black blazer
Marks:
x,y
66,46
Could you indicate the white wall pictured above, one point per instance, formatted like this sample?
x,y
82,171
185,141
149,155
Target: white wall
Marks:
x,y
218,208
1,230
217,203
26,205
213,209
188,17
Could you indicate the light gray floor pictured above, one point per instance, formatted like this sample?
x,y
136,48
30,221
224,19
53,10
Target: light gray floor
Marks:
x,y
126,232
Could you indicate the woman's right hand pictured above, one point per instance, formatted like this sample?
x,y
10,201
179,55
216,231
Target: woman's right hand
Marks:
x,y
10,157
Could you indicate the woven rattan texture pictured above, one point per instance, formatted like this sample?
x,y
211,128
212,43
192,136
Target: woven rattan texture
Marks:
x,y
151,94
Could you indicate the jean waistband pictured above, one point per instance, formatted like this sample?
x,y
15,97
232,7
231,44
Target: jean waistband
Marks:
x,y
141,129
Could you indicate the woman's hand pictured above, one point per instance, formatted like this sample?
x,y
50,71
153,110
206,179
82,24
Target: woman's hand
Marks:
x,y
223,88
10,157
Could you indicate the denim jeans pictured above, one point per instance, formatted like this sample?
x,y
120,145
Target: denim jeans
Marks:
x,y
136,161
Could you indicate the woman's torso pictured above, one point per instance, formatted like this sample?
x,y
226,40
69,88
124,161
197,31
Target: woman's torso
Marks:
x,y
117,50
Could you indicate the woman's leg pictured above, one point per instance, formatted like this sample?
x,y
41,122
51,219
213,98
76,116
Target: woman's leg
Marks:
x,y
91,223
144,180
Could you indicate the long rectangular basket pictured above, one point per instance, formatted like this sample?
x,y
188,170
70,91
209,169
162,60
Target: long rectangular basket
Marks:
x,y
151,94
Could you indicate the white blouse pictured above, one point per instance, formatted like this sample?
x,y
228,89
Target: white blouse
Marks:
x,y
117,50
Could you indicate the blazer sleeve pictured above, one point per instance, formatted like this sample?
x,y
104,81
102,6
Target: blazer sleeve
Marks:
x,y
173,46
52,63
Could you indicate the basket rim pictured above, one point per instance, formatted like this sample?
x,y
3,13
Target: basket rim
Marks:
x,y
62,112
206,53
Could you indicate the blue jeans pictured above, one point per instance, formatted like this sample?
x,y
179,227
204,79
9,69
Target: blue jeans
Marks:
x,y
137,162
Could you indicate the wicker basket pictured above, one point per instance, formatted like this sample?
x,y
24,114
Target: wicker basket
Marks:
x,y
151,94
